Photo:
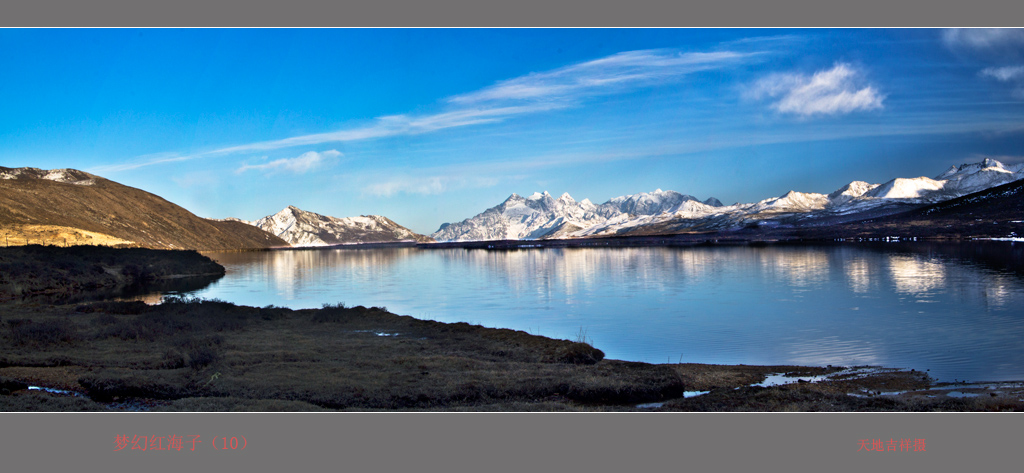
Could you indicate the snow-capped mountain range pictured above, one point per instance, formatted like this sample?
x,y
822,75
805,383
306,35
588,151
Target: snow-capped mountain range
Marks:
x,y
542,216
301,228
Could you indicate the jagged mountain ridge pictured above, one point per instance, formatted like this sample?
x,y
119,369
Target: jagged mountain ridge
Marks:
x,y
542,216
672,212
303,228
64,202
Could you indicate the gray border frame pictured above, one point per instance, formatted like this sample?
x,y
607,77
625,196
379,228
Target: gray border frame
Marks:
x,y
510,442
498,442
519,13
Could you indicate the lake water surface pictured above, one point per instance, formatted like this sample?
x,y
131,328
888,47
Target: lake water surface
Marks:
x,y
956,310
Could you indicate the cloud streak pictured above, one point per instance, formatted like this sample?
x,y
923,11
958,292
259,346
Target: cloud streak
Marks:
x,y
982,38
1008,74
827,92
605,75
533,93
298,165
426,185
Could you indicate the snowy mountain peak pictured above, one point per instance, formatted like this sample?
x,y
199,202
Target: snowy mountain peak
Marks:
x,y
849,192
794,201
988,165
514,199
949,172
992,163
303,228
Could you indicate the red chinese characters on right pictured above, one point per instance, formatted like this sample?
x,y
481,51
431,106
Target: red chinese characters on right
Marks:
x,y
892,445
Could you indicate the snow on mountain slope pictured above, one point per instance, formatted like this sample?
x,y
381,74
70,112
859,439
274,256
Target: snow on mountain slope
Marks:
x,y
904,188
644,203
793,201
849,192
520,217
971,178
955,182
302,228
540,216
69,176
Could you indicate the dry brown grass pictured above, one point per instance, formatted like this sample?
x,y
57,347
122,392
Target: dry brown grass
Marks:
x,y
21,235
331,358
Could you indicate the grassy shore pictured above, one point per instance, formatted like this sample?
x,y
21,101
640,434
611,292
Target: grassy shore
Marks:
x,y
61,274
200,355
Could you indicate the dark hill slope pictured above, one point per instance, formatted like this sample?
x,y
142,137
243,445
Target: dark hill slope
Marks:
x,y
84,201
991,213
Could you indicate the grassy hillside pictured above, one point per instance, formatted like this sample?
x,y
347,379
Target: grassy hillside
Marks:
x,y
114,211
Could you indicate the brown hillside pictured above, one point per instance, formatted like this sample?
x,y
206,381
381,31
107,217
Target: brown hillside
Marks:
x,y
31,197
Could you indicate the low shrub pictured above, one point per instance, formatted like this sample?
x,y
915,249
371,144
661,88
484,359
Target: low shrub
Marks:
x,y
576,353
114,307
24,331
8,385
107,384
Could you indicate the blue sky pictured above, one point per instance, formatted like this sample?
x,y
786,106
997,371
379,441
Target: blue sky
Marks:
x,y
428,126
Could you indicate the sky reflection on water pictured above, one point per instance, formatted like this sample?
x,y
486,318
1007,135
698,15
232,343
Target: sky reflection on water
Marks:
x,y
915,307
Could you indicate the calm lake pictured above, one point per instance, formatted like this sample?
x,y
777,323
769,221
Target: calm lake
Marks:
x,y
954,309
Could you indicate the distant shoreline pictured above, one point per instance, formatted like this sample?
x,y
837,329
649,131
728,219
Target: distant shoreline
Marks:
x,y
680,240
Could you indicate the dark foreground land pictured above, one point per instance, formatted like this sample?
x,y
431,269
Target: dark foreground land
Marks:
x,y
195,355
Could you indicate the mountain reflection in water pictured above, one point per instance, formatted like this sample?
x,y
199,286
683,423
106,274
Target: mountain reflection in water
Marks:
x,y
952,308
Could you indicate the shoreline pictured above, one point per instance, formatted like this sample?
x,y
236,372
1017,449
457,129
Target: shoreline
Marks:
x,y
113,357
214,356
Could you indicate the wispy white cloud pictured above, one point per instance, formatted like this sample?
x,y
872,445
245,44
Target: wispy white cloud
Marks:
x,y
301,164
1009,74
529,94
426,185
997,46
605,75
1005,73
983,38
828,92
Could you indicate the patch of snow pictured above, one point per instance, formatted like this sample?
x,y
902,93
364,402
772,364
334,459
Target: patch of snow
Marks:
x,y
779,379
66,175
904,188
